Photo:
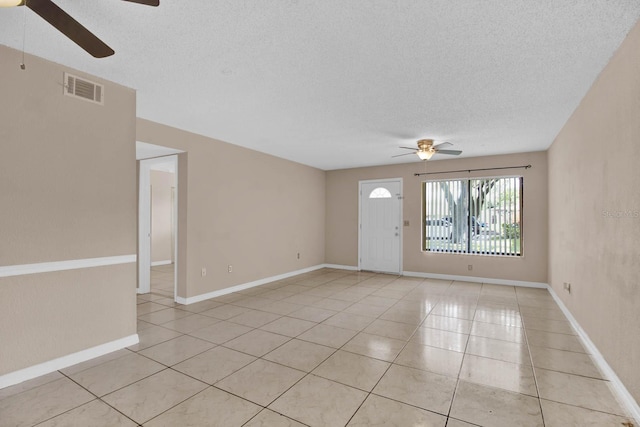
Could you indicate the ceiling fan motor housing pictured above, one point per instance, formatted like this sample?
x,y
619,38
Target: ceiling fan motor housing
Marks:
x,y
425,144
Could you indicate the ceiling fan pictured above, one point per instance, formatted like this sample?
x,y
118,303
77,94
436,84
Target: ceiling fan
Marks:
x,y
68,26
426,149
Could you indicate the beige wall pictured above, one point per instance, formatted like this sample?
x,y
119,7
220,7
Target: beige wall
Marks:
x,y
342,217
49,315
162,184
594,170
67,192
243,208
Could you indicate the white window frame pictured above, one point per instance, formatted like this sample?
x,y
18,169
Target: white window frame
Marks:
x,y
470,248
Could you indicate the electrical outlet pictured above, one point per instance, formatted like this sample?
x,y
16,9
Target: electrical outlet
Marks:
x,y
204,271
470,267
406,222
230,269
567,286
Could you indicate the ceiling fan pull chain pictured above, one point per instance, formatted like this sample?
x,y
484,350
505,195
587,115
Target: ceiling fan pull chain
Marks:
x,y
24,36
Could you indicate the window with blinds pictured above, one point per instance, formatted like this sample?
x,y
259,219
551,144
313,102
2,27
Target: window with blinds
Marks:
x,y
477,216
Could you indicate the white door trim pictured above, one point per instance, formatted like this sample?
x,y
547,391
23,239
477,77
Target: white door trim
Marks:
x,y
400,228
144,223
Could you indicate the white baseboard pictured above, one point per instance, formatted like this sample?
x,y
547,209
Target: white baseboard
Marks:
x,y
622,393
31,372
165,262
232,289
225,291
474,279
341,267
624,397
492,281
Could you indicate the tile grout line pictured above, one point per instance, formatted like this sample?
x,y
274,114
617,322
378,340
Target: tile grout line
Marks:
x,y
464,354
261,358
354,286
392,363
96,398
324,360
359,331
369,393
378,317
339,349
535,374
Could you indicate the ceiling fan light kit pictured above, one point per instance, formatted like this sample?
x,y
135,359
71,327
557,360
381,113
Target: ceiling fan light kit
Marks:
x,y
426,149
425,155
11,3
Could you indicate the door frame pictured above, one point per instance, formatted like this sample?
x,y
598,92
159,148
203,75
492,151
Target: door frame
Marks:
x,y
400,219
144,223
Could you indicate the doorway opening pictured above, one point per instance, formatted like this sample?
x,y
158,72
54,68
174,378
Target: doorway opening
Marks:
x,y
157,221
163,228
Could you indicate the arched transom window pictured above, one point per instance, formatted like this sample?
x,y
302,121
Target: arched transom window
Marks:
x,y
380,193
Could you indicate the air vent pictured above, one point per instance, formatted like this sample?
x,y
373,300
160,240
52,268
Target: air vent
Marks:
x,y
83,89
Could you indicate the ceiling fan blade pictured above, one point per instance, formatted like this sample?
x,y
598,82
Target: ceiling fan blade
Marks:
x,y
409,148
71,28
407,154
443,144
146,2
451,152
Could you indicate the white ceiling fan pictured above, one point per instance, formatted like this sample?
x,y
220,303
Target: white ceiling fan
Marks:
x,y
426,149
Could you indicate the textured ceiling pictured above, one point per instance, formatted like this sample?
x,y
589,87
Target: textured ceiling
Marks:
x,y
336,84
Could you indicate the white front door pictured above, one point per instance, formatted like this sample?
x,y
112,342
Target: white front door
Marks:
x,y
380,225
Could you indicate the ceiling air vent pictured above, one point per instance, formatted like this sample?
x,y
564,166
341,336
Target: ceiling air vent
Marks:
x,y
83,89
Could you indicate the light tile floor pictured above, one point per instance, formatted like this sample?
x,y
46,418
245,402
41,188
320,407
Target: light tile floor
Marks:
x,y
162,280
333,348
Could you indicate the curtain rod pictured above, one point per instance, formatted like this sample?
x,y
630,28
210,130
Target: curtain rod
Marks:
x,y
474,170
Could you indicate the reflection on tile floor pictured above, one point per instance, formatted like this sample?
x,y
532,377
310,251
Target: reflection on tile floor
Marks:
x,y
333,348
